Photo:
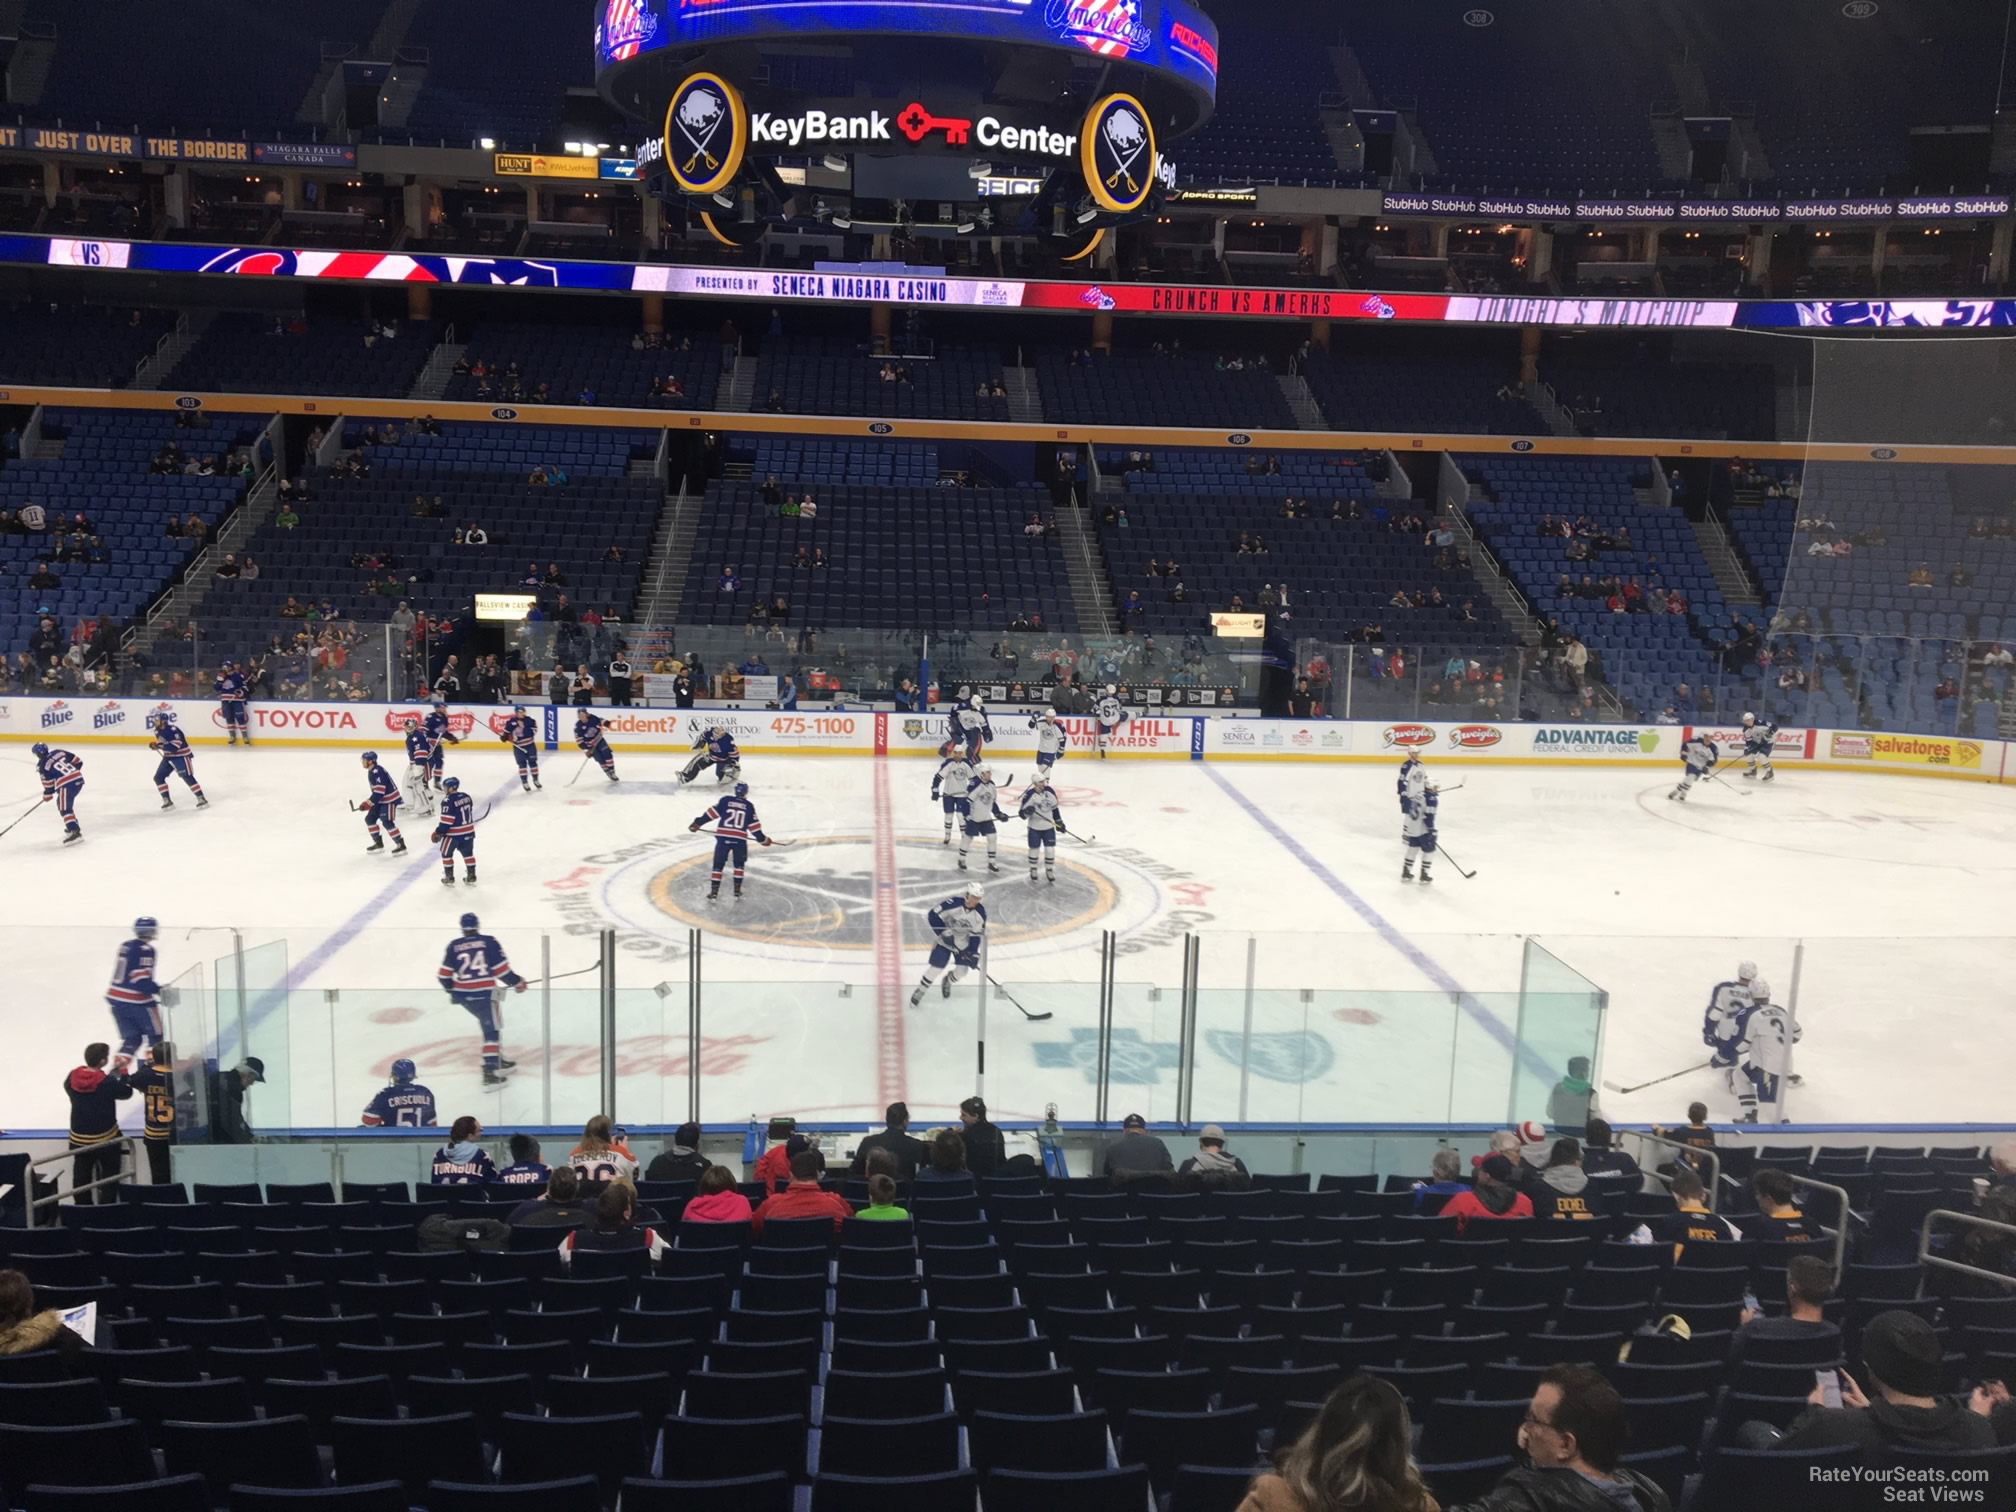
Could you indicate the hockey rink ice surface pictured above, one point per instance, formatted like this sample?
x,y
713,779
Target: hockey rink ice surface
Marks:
x,y
1901,889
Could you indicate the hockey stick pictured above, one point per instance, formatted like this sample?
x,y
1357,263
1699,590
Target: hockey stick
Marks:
x,y
1034,1018
778,844
38,803
1081,839
579,770
1674,1076
1465,875
1739,792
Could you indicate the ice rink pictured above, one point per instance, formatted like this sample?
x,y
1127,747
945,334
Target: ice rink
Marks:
x,y
1373,999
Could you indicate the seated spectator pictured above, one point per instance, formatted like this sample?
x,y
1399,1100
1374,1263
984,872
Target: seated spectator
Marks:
x,y
1809,1282
23,1330
1573,1438
1137,1155
908,1152
600,1156
44,578
986,1150
681,1159
717,1200
1356,1455
882,1206
1610,1169
773,1166
1212,1168
803,1198
462,1161
559,1206
1901,1355
1563,1189
1921,576
1777,1219
526,1168
1494,1195
228,568
1445,1179
1690,1222
614,1228
948,1159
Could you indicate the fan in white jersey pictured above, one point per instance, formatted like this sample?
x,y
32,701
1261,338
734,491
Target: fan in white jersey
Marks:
x,y
602,1155
1108,715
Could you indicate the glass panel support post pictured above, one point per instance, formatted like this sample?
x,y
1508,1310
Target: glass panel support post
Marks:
x,y
693,1032
608,974
1108,955
1186,1073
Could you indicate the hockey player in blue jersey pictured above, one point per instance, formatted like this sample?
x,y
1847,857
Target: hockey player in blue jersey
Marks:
x,y
983,811
177,760
401,1103
62,774
949,784
437,727
231,689
473,971
134,996
958,924
716,747
594,744
970,724
1040,811
381,806
1417,827
735,824
1759,741
521,733
421,749
1051,741
455,832
1698,758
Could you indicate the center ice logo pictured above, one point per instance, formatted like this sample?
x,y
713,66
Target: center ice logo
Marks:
x,y
1135,1061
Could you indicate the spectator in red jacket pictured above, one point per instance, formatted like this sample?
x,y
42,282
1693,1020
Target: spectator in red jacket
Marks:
x,y
804,1198
773,1166
717,1201
1494,1195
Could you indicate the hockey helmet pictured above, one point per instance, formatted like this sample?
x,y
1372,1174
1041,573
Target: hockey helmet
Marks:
x,y
403,1071
973,891
412,723
370,758
1746,971
1112,690
146,926
984,772
40,748
1749,719
440,700
1760,990
517,708
452,784
470,923
1039,779
741,790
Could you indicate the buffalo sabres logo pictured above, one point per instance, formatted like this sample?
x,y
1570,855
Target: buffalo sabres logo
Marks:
x,y
1117,153
706,132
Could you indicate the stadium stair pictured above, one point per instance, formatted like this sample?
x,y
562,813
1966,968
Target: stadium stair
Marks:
x,y
1308,414
154,371
664,580
434,378
1737,589
1085,566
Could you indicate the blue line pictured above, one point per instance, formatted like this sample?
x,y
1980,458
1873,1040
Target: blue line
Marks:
x,y
1386,930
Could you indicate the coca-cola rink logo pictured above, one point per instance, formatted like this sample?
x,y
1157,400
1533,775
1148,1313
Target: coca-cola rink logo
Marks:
x,y
659,1055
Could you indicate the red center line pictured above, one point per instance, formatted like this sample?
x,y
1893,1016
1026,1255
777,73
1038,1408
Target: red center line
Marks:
x,y
891,1060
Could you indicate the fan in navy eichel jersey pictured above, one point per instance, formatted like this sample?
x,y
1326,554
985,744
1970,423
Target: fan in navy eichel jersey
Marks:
x,y
1040,811
983,809
715,747
473,969
231,687
1759,741
1108,715
593,743
735,822
521,733
970,724
1051,741
381,806
402,1103
421,749
456,833
134,996
176,760
437,727
1417,828
62,774
958,923
948,786
1697,758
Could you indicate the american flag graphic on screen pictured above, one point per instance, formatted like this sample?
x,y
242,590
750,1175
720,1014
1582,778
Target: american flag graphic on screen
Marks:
x,y
626,28
1111,28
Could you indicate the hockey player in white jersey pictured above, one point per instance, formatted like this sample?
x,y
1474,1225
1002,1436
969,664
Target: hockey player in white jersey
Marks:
x,y
1413,778
1051,741
958,923
1040,811
1108,715
1697,759
1417,830
949,784
1764,1058
1759,740
983,811
1728,1004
